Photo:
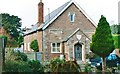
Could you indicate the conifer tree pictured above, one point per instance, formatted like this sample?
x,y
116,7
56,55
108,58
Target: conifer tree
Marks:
x,y
102,41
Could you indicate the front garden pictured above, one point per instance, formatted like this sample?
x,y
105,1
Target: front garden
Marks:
x,y
17,62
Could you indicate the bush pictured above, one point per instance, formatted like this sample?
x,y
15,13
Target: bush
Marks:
x,y
17,56
21,66
116,39
36,66
87,68
72,66
58,66
15,66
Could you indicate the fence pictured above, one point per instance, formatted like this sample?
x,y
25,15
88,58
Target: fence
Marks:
x,y
1,54
31,56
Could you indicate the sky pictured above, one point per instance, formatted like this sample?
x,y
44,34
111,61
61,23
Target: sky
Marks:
x,y
27,10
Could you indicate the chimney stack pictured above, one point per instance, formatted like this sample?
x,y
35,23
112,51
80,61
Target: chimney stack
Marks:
x,y
40,12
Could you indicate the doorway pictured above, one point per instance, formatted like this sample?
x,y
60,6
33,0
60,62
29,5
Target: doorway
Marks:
x,y
78,51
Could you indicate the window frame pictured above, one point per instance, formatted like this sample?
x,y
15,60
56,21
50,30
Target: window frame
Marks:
x,y
29,46
71,17
56,48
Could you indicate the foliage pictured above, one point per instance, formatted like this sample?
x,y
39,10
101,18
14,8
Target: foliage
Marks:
x,y
12,43
89,69
15,66
12,24
102,41
17,56
36,66
116,39
30,67
20,40
94,56
5,39
58,66
115,29
34,45
118,67
72,66
55,62
18,62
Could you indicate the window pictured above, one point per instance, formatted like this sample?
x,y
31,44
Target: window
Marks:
x,y
72,17
55,48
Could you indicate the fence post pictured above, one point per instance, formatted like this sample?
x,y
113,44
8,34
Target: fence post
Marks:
x,y
1,54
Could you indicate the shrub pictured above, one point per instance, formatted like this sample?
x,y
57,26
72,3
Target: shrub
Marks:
x,y
15,66
87,68
116,39
59,66
36,66
17,56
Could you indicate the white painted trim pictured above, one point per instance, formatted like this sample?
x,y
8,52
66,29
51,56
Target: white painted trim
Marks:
x,y
73,51
72,1
94,24
73,33
24,46
60,48
73,17
78,29
44,27
83,52
29,46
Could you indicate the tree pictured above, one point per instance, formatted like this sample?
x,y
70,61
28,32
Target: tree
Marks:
x,y
12,24
34,45
20,40
114,29
102,41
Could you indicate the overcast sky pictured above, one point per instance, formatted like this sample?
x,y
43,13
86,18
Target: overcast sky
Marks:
x,y
27,9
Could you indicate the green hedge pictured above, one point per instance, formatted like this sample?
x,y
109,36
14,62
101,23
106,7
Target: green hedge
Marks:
x,y
116,38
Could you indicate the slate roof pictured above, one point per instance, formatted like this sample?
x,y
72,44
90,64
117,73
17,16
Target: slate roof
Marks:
x,y
32,29
47,18
50,16
54,14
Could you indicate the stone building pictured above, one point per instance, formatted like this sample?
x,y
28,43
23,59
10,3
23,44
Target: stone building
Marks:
x,y
65,31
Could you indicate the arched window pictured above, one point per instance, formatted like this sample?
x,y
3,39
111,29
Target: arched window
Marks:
x,y
71,17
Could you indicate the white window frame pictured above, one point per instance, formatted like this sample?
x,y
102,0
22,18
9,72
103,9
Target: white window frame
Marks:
x,y
55,48
24,46
29,46
71,17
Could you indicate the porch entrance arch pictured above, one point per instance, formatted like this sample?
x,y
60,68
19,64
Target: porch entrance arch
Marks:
x,y
78,52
